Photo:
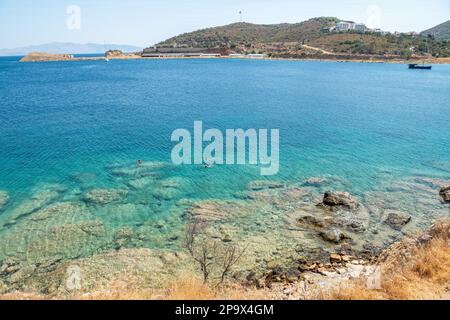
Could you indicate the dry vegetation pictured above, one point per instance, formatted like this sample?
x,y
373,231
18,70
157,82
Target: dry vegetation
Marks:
x,y
411,269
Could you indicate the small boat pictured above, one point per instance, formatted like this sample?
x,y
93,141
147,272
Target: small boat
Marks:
x,y
417,66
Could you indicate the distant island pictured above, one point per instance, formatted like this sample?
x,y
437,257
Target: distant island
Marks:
x,y
68,48
47,57
324,38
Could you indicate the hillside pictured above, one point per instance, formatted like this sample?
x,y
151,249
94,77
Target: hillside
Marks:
x,y
247,34
441,31
311,37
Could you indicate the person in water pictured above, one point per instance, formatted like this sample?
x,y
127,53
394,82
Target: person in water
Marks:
x,y
208,164
139,162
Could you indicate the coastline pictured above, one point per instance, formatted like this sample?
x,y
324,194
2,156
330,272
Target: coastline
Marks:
x,y
324,58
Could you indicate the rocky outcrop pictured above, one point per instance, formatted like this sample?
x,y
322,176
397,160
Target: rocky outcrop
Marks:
x,y
445,193
44,57
118,54
397,220
339,200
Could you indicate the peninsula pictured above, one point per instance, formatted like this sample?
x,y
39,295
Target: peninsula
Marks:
x,y
324,38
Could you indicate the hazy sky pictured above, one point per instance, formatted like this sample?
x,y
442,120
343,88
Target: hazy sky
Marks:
x,y
145,22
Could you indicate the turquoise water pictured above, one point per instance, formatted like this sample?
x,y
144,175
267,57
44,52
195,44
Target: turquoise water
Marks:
x,y
83,125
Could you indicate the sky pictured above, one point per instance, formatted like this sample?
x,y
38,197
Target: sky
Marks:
x,y
146,22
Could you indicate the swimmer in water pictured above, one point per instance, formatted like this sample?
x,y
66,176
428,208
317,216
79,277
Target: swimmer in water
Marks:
x,y
208,164
139,162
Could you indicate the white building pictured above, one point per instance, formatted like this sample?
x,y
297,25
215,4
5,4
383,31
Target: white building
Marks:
x,y
350,26
360,27
345,26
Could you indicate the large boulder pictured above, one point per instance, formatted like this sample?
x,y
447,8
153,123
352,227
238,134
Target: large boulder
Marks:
x,y
339,200
397,220
445,193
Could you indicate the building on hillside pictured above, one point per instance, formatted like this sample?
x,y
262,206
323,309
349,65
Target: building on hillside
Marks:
x,y
360,27
350,26
345,26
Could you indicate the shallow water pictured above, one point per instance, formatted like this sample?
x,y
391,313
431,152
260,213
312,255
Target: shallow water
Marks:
x,y
67,128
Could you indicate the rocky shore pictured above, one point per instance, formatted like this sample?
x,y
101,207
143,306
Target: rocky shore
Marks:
x,y
119,55
289,229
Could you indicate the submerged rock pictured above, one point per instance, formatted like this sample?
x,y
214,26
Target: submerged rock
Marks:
x,y
397,220
334,200
9,266
211,211
315,182
165,193
445,193
4,198
141,183
334,235
37,201
105,196
61,210
123,237
316,222
141,170
263,185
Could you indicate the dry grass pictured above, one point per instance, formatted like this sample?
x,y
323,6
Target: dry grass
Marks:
x,y
409,271
192,288
424,275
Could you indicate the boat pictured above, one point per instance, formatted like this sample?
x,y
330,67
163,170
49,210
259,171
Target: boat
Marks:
x,y
421,66
417,66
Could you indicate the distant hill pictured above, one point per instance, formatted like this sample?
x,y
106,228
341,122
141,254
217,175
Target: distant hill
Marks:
x,y
247,34
68,48
441,31
311,37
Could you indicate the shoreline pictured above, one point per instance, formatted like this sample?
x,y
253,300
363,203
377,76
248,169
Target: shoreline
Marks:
x,y
346,59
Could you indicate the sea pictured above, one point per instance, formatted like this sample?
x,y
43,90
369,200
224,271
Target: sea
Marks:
x,y
71,134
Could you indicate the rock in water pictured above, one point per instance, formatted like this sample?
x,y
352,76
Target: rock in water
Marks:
x,y
104,196
315,182
123,237
445,193
397,220
334,235
339,200
4,198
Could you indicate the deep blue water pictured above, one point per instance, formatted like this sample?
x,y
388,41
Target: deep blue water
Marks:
x,y
356,121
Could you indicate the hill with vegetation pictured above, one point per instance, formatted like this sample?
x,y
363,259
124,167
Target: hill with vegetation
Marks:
x,y
247,34
311,37
441,31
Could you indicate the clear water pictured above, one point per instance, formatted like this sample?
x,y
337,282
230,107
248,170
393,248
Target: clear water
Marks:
x,y
78,124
